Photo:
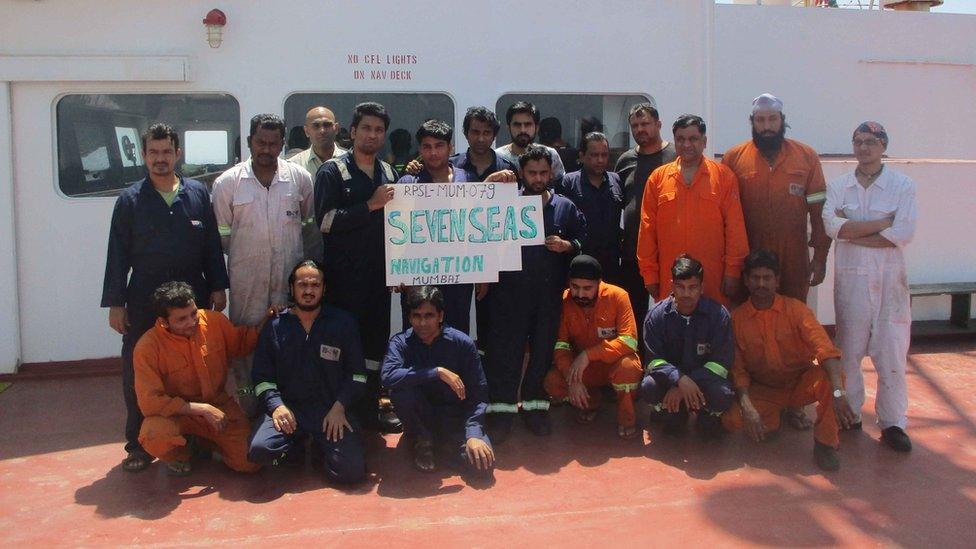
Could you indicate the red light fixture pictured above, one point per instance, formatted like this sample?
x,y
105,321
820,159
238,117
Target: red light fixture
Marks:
x,y
215,21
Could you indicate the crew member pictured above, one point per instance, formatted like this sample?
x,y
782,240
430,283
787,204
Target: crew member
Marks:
x,y
634,167
163,229
525,307
689,348
350,193
522,118
781,186
308,370
261,206
598,196
597,347
692,206
434,376
872,214
180,378
777,339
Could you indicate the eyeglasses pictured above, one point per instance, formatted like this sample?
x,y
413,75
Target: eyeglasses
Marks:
x,y
870,142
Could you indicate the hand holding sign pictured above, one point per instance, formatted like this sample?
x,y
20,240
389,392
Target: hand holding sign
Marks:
x,y
382,195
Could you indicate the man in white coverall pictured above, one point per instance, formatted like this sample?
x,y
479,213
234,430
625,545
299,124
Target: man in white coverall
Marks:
x,y
871,214
261,205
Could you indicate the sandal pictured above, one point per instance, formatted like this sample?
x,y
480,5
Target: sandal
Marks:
x,y
178,468
423,456
797,419
627,432
135,462
585,417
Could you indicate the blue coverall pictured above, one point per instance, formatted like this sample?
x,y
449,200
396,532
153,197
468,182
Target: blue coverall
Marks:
x,y
602,208
427,406
355,278
525,308
158,243
700,347
308,373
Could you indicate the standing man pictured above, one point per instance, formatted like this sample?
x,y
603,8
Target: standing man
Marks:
x,y
598,196
777,339
480,161
321,129
261,205
781,186
525,307
692,206
872,214
597,347
350,193
523,123
163,229
690,349
434,142
308,370
181,377
634,167
436,383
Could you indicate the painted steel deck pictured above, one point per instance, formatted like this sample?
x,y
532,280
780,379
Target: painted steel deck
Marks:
x,y
60,483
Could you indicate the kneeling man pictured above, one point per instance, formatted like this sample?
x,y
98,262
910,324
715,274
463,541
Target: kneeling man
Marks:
x,y
434,376
777,339
308,370
180,379
689,348
597,346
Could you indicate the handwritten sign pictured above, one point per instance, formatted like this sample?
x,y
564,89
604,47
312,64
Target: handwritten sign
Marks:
x,y
458,233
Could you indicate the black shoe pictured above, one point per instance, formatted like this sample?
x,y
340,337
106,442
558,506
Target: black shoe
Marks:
x,y
826,457
675,423
852,427
656,415
499,427
896,439
710,426
537,421
423,455
389,423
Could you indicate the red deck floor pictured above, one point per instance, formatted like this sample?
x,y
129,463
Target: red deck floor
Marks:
x,y
60,484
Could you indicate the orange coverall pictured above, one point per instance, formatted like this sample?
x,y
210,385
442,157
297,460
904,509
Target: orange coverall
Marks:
x,y
776,203
172,370
606,331
774,352
703,219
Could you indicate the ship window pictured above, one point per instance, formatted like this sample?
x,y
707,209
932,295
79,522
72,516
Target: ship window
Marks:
x,y
407,112
565,118
100,146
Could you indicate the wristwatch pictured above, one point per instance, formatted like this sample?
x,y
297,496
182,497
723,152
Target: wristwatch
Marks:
x,y
839,393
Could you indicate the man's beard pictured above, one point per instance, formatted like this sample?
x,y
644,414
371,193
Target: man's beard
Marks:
x,y
308,308
522,140
583,301
769,143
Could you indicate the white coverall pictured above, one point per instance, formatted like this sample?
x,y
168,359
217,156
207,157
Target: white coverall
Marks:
x,y
261,230
871,296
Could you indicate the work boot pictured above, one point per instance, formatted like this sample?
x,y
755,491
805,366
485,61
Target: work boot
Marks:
x,y
710,426
389,423
896,439
675,423
499,427
825,456
537,421
423,455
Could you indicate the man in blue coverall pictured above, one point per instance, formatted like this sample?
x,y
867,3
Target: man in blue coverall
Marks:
x,y
525,307
163,229
350,194
308,370
599,196
433,373
688,338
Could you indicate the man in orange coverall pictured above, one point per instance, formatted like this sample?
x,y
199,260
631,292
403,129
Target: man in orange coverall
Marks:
x,y
781,185
776,340
180,374
692,206
597,346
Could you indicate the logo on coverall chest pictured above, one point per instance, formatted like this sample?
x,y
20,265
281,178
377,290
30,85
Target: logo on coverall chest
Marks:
x,y
606,333
704,348
328,352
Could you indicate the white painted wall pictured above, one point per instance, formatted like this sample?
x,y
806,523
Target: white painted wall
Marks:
x,y
821,62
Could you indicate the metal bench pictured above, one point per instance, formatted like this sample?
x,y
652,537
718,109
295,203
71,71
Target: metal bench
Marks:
x,y
961,292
